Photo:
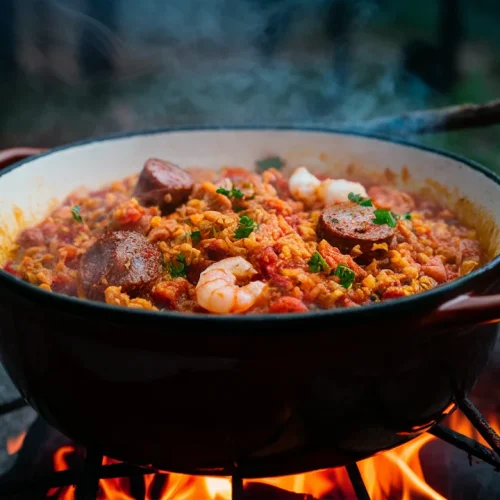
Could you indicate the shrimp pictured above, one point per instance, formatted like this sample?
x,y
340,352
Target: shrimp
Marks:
x,y
338,190
218,292
303,185
306,187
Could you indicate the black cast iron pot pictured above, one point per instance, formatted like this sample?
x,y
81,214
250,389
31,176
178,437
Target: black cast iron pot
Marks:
x,y
275,394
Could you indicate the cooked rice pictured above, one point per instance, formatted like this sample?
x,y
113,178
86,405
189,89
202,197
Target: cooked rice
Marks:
x,y
433,242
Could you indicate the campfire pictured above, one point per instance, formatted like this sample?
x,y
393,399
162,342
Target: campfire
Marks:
x,y
405,473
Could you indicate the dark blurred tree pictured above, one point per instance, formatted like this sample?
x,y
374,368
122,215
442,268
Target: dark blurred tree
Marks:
x,y
339,23
279,15
98,38
437,64
8,65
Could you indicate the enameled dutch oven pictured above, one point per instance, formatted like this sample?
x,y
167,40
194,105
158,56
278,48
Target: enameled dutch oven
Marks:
x,y
274,394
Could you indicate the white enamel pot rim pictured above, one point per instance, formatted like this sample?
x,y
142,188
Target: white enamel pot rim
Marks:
x,y
450,303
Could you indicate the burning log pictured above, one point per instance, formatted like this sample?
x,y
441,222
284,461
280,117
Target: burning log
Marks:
x,y
435,120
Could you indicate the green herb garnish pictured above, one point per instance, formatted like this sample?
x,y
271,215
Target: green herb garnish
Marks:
x,y
357,198
75,212
385,217
195,236
406,216
246,226
271,162
374,297
318,264
346,275
177,270
233,193
334,220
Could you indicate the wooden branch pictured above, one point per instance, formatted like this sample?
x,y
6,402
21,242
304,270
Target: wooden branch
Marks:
x,y
436,120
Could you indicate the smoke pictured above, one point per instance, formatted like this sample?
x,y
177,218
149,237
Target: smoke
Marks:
x,y
220,62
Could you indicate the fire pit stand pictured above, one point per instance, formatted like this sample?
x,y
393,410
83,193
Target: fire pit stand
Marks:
x,y
86,478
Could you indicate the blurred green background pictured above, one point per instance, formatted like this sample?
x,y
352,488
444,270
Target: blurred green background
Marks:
x,y
76,69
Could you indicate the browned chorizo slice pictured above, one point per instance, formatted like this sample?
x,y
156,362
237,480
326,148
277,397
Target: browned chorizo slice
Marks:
x,y
346,225
163,184
387,198
120,258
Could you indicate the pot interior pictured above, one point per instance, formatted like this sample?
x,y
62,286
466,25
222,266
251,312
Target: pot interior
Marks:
x,y
31,190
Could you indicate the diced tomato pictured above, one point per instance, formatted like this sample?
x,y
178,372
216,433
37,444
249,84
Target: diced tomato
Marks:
x,y
9,267
266,261
281,282
287,305
238,175
216,249
393,293
171,293
388,198
435,269
334,257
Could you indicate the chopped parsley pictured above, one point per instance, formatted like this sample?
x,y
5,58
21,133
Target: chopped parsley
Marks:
x,y
195,236
385,217
75,213
246,226
406,216
177,270
271,162
346,275
374,297
232,193
357,198
334,220
318,264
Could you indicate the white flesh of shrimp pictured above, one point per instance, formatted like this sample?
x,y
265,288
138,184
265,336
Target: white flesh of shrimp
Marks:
x,y
303,185
218,292
338,190
306,187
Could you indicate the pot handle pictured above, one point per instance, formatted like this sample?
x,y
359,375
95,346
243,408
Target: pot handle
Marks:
x,y
9,156
466,310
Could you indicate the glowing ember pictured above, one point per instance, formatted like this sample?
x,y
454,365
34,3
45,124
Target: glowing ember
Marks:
x,y
14,443
395,474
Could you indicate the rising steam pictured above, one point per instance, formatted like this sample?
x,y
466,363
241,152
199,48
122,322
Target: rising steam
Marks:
x,y
196,62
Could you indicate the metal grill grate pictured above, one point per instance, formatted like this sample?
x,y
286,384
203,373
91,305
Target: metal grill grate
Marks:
x,y
87,478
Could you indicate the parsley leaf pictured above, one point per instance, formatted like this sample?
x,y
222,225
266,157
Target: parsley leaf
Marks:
x,y
233,193
385,217
271,162
195,236
357,198
75,212
318,264
246,226
406,216
177,270
346,275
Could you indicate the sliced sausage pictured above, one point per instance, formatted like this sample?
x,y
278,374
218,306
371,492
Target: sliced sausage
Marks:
x,y
163,184
387,198
346,225
120,258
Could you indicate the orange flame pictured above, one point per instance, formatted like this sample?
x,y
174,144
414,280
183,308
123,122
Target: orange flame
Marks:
x,y
395,474
14,443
